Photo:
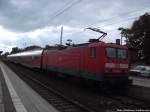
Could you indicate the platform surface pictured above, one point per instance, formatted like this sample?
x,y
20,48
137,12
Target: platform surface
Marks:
x,y
140,81
24,98
1,98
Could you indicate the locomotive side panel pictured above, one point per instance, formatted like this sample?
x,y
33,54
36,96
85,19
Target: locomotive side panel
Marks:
x,y
92,63
65,61
76,61
70,59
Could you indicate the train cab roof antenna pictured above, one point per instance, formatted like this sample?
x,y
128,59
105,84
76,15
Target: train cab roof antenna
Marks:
x,y
99,31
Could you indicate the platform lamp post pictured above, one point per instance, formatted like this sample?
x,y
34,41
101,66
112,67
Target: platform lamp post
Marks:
x,y
61,36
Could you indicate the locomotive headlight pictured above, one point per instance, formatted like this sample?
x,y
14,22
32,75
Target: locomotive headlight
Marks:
x,y
123,65
113,65
109,65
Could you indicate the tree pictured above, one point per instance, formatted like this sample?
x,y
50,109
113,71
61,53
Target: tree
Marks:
x,y
1,52
47,46
33,47
15,50
138,36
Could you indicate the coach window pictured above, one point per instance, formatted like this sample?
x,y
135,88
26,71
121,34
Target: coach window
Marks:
x,y
93,52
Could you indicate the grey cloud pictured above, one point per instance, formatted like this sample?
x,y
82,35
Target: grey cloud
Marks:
x,y
28,15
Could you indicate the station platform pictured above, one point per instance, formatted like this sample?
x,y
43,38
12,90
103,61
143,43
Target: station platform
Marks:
x,y
17,96
140,81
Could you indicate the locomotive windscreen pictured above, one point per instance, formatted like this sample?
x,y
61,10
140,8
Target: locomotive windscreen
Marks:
x,y
116,53
121,54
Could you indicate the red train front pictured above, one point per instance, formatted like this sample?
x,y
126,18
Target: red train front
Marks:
x,y
97,61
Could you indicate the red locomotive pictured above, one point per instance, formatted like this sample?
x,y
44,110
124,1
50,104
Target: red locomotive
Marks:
x,y
96,60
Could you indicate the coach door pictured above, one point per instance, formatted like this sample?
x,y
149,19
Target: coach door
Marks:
x,y
45,59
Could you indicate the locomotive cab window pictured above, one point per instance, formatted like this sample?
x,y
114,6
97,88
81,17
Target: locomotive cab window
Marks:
x,y
93,52
111,52
122,54
116,53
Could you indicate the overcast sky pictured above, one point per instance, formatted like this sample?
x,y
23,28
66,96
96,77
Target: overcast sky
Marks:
x,y
38,22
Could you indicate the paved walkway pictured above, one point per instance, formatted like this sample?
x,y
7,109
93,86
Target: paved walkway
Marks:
x,y
23,97
141,81
1,98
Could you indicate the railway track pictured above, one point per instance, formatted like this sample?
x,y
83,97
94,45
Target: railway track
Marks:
x,y
55,98
91,102
130,102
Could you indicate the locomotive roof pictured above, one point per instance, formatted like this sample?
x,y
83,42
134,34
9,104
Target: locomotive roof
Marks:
x,y
100,44
27,53
93,44
116,45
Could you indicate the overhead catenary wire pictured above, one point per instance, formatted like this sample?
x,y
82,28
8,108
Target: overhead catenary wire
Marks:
x,y
67,7
130,15
70,4
120,18
59,10
124,14
120,21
